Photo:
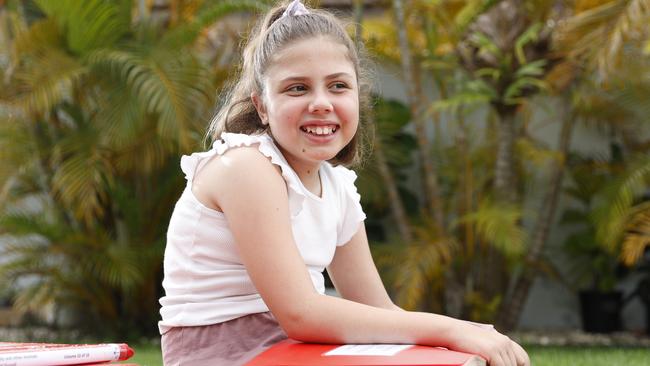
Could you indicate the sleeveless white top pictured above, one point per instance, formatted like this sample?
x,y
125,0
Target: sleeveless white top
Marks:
x,y
205,281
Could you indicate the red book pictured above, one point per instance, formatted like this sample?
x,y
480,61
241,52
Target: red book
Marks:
x,y
48,354
292,353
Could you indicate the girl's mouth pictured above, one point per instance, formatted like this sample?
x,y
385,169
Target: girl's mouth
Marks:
x,y
320,130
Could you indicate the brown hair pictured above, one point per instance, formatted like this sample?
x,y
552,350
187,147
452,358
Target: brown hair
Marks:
x,y
238,114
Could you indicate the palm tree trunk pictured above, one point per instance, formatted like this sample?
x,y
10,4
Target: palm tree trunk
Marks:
x,y
396,206
504,168
414,90
510,312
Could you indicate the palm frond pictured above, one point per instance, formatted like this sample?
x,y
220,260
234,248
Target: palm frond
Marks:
x,y
637,235
15,151
472,93
498,225
63,265
421,264
412,268
89,24
487,48
482,309
115,264
615,210
380,38
515,91
630,96
122,119
187,33
470,11
169,89
528,151
534,68
45,74
84,171
529,35
35,297
596,106
609,25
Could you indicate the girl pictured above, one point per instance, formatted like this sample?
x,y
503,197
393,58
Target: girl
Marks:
x,y
270,206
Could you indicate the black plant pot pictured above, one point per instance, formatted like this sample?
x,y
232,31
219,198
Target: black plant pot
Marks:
x,y
643,290
601,311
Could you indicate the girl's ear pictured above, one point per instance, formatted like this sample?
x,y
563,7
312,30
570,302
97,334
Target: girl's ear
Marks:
x,y
259,106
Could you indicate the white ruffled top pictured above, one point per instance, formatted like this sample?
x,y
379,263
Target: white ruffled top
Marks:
x,y
205,281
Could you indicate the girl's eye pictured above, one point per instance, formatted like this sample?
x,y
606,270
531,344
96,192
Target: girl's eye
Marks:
x,y
339,86
296,89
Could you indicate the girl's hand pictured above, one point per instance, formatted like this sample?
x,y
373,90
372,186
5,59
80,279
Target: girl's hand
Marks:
x,y
496,348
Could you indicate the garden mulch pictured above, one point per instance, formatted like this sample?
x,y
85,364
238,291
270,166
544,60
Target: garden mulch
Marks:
x,y
576,338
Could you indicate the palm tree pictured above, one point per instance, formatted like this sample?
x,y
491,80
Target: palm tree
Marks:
x,y
618,23
507,48
98,108
416,101
381,162
431,33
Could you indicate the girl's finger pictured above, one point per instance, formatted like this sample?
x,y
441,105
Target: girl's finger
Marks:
x,y
506,351
497,360
511,357
522,356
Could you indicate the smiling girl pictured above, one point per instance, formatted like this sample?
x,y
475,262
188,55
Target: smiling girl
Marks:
x,y
271,206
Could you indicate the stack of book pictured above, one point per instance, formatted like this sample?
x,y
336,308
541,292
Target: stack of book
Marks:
x,y
49,354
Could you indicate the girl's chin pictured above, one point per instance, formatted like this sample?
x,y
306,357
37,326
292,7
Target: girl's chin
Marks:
x,y
317,154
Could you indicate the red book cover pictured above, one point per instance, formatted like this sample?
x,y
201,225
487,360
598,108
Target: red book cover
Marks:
x,y
48,354
292,353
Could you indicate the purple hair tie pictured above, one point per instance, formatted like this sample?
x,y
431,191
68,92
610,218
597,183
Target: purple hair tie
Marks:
x,y
294,9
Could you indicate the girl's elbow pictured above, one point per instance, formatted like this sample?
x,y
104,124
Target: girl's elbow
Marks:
x,y
301,324
295,324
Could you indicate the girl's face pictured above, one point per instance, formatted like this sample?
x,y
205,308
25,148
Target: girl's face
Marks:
x,y
310,101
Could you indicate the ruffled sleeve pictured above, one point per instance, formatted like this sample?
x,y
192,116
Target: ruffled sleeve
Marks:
x,y
352,213
190,164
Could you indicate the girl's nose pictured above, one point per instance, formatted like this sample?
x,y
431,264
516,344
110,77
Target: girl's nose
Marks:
x,y
320,103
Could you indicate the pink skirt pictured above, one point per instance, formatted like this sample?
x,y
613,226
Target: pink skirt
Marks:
x,y
231,343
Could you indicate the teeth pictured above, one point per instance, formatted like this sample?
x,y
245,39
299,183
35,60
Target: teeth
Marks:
x,y
321,130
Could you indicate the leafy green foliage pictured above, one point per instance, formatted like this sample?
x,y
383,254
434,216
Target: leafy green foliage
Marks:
x,y
593,266
390,118
96,109
611,24
88,25
470,11
415,270
498,224
621,216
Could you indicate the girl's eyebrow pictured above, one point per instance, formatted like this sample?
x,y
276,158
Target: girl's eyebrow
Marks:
x,y
303,78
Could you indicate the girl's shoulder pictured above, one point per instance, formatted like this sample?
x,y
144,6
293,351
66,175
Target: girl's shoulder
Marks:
x,y
241,149
233,165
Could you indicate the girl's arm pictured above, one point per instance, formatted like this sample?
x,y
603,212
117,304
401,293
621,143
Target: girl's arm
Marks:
x,y
355,276
253,196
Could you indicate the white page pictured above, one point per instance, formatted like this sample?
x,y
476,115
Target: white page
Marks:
x,y
367,350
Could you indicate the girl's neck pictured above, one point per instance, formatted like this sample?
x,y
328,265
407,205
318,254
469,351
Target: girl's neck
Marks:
x,y
309,175
307,170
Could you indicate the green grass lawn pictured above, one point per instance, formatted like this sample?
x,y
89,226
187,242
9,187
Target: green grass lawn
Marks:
x,y
149,355
588,356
